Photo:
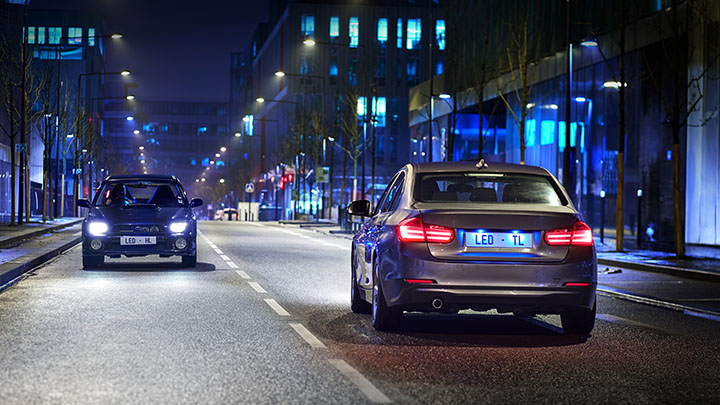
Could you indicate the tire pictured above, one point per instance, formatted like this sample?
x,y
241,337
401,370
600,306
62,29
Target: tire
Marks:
x,y
189,261
357,304
383,317
579,322
92,262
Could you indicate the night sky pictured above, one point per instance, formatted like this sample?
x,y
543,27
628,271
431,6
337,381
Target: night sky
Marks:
x,y
176,50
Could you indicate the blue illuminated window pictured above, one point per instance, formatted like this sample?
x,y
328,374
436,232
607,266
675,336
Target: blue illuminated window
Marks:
x,y
530,129
41,35
414,33
333,69
399,34
573,135
91,36
382,31
31,35
74,35
307,25
254,49
334,28
361,106
54,35
412,71
379,108
193,162
205,162
438,68
354,31
219,163
440,34
547,132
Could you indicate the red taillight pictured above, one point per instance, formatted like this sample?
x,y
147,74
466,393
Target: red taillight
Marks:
x,y
579,235
419,281
571,284
414,230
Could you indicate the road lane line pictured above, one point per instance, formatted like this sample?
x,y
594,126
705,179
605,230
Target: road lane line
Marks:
x,y
257,287
232,265
307,336
224,257
253,223
276,307
365,386
218,251
617,293
630,322
241,273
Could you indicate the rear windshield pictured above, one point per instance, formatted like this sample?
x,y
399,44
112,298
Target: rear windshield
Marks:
x,y
162,194
486,188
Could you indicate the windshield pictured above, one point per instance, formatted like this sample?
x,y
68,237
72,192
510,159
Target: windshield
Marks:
x,y
162,194
486,188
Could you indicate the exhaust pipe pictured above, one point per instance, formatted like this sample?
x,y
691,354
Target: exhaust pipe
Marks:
x,y
437,303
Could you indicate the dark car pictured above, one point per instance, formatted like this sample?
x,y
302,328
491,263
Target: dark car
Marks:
x,y
445,237
139,215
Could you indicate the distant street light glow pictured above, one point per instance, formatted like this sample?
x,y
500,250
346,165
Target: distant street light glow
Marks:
x,y
136,132
131,118
125,73
279,73
260,100
309,42
141,147
130,97
246,119
203,179
217,155
116,35
222,180
613,85
70,135
444,96
238,134
223,149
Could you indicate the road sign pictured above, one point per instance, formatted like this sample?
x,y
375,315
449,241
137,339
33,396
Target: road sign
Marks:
x,y
249,188
20,147
322,175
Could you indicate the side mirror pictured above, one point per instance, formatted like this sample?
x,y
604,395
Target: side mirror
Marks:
x,y
83,202
196,202
359,208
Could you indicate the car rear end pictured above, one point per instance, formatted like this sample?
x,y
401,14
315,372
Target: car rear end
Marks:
x,y
486,240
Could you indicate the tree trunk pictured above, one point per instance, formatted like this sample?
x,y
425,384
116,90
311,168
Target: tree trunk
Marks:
x,y
480,126
13,179
619,220
344,179
677,213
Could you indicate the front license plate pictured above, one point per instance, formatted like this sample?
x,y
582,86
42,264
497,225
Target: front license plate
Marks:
x,y
499,239
138,240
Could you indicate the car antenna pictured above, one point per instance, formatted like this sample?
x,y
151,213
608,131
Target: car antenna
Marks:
x,y
481,164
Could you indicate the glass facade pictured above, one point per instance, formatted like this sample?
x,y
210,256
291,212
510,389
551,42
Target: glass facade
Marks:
x,y
334,28
414,33
354,32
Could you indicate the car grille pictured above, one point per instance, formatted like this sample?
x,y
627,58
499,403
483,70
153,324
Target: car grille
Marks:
x,y
139,229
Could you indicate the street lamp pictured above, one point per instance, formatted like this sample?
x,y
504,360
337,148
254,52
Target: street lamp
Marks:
x,y
116,35
223,149
309,42
141,147
130,97
238,134
136,132
260,100
125,73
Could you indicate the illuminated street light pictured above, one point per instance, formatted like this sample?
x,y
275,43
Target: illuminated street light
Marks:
x,y
130,118
136,132
197,180
217,155
84,150
130,97
203,179
116,35
222,181
141,147
309,42
279,73
260,100
613,85
246,118
238,134
223,149
444,96
212,162
70,135
142,161
125,73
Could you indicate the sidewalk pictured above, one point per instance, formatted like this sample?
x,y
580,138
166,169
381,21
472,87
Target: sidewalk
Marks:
x,y
643,260
11,235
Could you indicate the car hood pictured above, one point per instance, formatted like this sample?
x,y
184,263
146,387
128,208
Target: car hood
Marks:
x,y
146,214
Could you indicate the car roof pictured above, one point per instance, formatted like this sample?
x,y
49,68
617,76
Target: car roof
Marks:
x,y
492,167
142,177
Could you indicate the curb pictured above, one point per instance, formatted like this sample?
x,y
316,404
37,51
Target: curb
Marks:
x,y
10,271
4,243
657,268
656,302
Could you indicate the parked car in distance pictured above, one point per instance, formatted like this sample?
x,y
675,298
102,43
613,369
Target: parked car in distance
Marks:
x,y
139,215
450,236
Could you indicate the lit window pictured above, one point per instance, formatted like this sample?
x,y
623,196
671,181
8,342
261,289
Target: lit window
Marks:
x,y
41,35
333,69
74,36
219,163
334,27
438,68
414,32
382,31
31,35
547,132
307,25
54,35
380,111
354,31
440,34
529,133
573,135
361,106
254,49
399,33
91,36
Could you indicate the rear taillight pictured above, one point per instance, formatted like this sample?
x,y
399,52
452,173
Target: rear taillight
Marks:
x,y
414,230
579,235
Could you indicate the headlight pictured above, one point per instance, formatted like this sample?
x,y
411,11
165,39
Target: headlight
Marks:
x,y
178,227
97,228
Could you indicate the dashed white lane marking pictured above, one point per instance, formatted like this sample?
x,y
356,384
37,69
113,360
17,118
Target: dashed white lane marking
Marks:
x,y
254,224
232,265
276,307
630,322
241,273
257,287
365,386
307,336
224,257
218,251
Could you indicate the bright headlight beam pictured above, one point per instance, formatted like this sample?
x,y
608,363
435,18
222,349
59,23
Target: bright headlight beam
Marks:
x,y
177,227
97,228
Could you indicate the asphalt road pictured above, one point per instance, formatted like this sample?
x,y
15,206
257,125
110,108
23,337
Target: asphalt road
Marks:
x,y
265,318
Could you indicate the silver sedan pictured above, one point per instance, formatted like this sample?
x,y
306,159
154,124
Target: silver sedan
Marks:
x,y
445,237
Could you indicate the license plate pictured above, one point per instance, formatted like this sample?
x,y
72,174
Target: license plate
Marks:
x,y
138,240
499,239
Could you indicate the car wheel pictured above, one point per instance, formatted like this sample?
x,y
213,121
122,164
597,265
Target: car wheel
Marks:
x,y
357,303
189,261
579,322
384,318
92,262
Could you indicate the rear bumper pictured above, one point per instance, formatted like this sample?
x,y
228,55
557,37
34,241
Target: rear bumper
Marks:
x,y
165,247
533,288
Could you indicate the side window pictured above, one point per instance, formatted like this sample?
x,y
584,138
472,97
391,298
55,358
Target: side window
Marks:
x,y
397,196
392,194
384,196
